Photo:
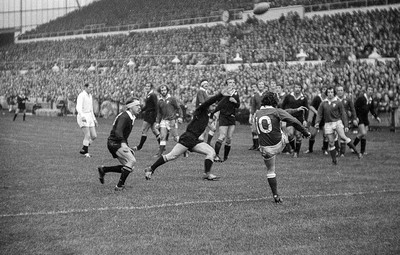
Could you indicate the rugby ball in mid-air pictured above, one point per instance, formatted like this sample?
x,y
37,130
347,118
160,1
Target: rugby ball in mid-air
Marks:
x,y
261,8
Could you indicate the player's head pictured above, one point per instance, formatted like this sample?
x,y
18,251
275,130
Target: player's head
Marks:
x,y
269,99
88,87
370,90
261,85
340,91
163,90
297,88
204,83
148,86
330,92
133,105
272,86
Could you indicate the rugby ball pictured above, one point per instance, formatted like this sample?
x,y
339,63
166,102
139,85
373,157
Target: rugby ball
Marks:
x,y
261,8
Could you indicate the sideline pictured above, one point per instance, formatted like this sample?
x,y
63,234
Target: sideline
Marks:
x,y
149,207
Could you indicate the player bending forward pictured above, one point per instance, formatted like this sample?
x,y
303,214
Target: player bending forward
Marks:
x,y
271,138
189,140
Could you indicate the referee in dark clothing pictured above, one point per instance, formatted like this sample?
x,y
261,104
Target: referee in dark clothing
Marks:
x,y
189,140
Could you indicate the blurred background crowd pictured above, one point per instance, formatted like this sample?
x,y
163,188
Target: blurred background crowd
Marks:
x,y
119,65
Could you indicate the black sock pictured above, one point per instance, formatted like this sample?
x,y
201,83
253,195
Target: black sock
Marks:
x,y
15,116
160,161
158,138
207,165
218,146
342,148
293,144
257,143
142,141
363,145
23,117
161,150
274,185
114,169
254,142
85,148
298,146
333,155
209,138
356,141
325,145
227,149
351,145
311,145
337,147
124,174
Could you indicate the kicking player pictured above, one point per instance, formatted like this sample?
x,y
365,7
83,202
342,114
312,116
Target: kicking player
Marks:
x,y
363,106
85,118
189,140
149,111
271,137
117,144
332,112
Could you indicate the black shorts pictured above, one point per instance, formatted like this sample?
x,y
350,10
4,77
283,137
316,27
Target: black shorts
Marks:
x,y
113,147
150,117
364,121
189,140
227,120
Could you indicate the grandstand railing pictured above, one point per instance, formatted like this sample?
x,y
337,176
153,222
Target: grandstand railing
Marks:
x,y
235,14
347,5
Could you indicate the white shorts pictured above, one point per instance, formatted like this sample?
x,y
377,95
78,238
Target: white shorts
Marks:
x,y
270,151
168,124
338,127
89,120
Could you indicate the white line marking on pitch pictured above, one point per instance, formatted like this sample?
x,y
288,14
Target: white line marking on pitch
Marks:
x,y
147,207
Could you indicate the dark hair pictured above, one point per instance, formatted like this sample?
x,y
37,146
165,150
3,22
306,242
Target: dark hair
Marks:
x,y
202,80
269,99
330,88
151,84
159,88
86,85
229,78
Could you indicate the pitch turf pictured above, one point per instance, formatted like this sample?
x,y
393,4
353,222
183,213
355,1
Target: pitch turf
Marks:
x,y
52,201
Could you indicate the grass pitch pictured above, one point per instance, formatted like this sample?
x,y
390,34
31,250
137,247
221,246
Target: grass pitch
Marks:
x,y
52,202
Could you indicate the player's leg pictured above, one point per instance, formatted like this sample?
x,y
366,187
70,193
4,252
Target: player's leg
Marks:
x,y
363,140
212,126
254,137
223,130
156,132
127,159
271,177
86,140
16,114
178,150
24,115
228,141
145,128
292,138
163,137
343,137
208,151
298,138
311,140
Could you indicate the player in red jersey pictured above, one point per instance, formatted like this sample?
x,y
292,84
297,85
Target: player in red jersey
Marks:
x,y
331,110
271,138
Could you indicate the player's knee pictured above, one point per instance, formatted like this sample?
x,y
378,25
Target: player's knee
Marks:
x,y
170,157
228,141
211,155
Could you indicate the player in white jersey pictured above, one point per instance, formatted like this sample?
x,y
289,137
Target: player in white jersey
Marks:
x,y
271,138
85,118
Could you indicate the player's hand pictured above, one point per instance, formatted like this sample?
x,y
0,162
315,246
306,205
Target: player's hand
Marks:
x,y
233,100
83,119
125,148
250,119
180,120
96,123
308,135
316,125
378,119
305,123
302,108
346,129
355,122
227,91
157,126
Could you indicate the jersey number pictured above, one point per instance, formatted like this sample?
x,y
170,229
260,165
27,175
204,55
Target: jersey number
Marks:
x,y
264,124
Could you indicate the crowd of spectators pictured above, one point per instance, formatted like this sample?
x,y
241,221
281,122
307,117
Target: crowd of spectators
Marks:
x,y
112,13
358,32
152,53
